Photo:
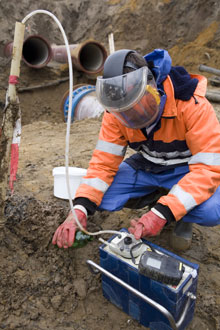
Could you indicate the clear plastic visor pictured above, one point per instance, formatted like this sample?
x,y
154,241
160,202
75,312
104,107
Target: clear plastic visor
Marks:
x,y
132,98
120,92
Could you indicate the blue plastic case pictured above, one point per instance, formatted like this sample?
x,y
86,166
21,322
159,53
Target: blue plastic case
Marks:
x,y
172,298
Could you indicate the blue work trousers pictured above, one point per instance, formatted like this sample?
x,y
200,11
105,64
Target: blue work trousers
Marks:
x,y
130,183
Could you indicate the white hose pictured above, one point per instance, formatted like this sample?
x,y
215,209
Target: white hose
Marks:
x,y
41,11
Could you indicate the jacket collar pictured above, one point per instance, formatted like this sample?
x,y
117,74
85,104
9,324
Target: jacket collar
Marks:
x,y
170,108
202,85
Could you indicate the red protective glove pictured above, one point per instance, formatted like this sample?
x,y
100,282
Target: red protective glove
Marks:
x,y
149,224
65,234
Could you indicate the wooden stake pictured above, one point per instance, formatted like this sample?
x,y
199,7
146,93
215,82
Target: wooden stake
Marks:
x,y
11,114
111,43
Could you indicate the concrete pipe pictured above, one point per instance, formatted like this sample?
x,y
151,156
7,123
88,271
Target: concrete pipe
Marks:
x,y
36,52
209,69
88,56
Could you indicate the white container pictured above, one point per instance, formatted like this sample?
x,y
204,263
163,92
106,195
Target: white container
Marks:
x,y
75,176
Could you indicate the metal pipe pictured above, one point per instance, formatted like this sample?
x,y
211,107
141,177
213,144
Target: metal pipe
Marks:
x,y
84,105
214,97
36,51
209,69
88,56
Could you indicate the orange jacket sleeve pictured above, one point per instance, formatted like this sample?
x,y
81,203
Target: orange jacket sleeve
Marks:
x,y
107,156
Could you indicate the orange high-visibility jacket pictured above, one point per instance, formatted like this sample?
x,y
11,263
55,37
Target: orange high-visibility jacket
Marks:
x,y
191,123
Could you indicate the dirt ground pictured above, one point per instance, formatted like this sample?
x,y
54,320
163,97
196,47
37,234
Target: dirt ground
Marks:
x,y
43,287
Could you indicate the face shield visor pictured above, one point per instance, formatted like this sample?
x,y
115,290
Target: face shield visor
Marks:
x,y
132,98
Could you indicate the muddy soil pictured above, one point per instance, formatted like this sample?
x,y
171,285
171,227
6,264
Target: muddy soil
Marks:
x,y
43,287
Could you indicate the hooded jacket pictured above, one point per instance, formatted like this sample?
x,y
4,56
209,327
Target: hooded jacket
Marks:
x,y
188,132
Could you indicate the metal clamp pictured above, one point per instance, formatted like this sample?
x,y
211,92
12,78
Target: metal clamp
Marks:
x,y
174,325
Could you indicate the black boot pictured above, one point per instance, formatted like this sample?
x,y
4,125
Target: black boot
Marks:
x,y
181,237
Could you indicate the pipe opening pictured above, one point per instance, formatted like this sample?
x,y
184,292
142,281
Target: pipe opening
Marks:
x,y
36,51
92,57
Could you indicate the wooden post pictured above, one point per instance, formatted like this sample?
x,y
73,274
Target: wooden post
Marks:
x,y
111,43
11,113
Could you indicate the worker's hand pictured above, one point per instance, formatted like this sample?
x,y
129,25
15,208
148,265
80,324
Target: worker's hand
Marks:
x,y
149,224
65,234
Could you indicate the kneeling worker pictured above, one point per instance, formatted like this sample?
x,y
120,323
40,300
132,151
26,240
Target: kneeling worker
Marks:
x,y
161,112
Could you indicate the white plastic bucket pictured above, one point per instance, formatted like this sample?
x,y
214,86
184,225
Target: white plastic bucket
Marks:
x,y
75,176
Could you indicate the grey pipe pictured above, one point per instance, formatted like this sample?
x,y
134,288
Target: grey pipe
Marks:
x,y
209,69
88,56
163,310
211,96
36,52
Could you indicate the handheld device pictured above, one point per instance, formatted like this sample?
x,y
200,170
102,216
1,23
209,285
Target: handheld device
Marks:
x,y
161,267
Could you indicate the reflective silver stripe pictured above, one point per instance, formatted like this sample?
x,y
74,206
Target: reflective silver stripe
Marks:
x,y
162,161
206,158
168,155
96,183
111,148
184,197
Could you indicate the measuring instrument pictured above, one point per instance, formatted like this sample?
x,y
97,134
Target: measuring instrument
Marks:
x,y
151,284
151,263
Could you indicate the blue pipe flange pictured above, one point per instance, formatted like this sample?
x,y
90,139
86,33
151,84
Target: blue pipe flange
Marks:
x,y
77,95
